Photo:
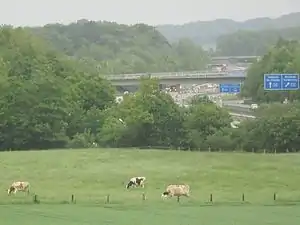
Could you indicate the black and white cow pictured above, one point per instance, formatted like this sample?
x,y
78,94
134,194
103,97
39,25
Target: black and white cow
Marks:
x,y
19,186
136,181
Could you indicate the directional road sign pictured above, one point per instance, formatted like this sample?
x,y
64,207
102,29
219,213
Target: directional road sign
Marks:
x,y
230,88
282,82
290,81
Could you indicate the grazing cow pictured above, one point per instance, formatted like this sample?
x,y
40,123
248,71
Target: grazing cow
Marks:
x,y
176,190
136,181
18,186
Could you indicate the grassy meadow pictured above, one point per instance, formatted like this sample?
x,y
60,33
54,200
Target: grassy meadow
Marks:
x,y
92,174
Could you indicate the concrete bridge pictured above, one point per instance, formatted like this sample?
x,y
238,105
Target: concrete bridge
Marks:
x,y
235,57
184,78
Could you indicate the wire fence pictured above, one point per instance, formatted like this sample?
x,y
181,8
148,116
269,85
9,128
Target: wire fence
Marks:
x,y
273,199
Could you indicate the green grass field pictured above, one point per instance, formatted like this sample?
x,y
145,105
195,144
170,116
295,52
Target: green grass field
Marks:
x,y
91,175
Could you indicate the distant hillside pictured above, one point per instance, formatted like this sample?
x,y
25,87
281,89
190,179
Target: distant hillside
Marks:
x,y
207,32
115,48
253,42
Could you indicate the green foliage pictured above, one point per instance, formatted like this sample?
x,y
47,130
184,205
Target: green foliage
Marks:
x,y
204,119
43,94
116,49
83,140
254,43
283,58
51,101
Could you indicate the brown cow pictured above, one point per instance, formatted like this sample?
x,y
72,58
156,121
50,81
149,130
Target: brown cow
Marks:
x,y
176,190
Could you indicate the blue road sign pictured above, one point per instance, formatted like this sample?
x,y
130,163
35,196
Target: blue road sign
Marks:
x,y
290,81
272,82
281,82
230,88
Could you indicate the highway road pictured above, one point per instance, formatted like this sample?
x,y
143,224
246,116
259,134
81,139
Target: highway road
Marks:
x,y
236,105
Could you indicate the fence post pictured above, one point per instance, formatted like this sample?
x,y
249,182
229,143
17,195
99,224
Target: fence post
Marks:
x,y
72,198
107,198
144,196
274,197
210,198
178,198
243,197
35,199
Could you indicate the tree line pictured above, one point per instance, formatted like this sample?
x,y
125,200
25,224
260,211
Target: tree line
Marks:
x,y
206,33
115,48
253,43
49,100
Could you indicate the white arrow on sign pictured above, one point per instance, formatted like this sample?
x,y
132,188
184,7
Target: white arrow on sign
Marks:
x,y
287,84
270,84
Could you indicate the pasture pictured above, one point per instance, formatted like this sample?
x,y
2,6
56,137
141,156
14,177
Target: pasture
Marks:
x,y
92,174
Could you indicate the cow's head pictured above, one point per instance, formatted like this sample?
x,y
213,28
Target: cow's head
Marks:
x,y
130,183
165,194
10,190
139,180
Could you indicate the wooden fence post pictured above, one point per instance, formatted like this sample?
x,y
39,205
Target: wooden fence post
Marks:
x,y
144,196
178,199
35,199
107,198
243,197
72,198
210,198
274,197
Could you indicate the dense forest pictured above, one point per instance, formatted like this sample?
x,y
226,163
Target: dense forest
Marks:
x,y
114,48
253,42
206,33
51,100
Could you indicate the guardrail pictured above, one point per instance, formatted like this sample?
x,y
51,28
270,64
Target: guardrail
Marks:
x,y
242,115
177,75
235,105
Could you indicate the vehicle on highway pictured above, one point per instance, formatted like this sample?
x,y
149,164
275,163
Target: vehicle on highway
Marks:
x,y
253,106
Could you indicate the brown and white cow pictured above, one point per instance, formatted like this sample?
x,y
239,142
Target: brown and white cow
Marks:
x,y
18,186
176,190
136,181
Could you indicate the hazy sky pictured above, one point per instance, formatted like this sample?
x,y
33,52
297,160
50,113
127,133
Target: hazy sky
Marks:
x,y
40,12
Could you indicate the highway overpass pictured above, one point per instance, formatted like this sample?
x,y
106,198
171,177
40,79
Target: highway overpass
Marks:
x,y
184,78
235,57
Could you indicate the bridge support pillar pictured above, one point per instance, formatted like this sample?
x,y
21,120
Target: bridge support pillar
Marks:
x,y
162,86
178,88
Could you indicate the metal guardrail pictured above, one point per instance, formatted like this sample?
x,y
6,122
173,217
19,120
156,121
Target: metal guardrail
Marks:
x,y
235,105
178,75
242,115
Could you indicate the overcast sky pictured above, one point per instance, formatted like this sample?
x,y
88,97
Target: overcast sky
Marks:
x,y
153,12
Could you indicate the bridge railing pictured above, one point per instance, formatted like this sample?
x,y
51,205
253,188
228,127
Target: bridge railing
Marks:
x,y
175,75
159,74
